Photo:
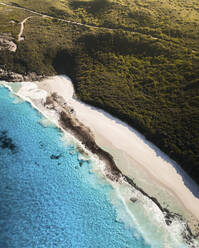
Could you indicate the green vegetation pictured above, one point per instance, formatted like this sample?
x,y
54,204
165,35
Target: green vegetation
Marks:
x,y
141,64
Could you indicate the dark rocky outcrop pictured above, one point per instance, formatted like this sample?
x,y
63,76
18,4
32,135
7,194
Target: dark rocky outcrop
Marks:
x,y
72,125
82,134
10,76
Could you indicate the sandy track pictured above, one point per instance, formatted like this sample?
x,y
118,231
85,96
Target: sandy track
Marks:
x,y
20,38
75,23
48,16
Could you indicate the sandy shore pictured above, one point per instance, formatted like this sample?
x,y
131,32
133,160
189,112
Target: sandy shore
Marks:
x,y
130,149
137,158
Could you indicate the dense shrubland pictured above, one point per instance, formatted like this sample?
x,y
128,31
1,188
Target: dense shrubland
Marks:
x,y
144,71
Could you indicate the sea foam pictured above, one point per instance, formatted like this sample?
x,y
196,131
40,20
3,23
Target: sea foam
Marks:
x,y
142,219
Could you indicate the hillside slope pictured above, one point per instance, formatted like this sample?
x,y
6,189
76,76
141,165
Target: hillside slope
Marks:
x,y
139,60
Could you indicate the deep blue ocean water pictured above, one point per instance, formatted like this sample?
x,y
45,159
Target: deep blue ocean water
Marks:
x,y
47,199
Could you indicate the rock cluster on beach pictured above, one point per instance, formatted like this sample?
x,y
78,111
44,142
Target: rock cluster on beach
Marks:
x,y
67,119
70,123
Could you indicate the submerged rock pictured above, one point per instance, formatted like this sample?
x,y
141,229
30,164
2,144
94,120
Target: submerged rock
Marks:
x,y
6,142
55,156
133,199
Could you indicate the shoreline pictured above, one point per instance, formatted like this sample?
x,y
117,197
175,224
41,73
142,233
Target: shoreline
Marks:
x,y
77,127
152,163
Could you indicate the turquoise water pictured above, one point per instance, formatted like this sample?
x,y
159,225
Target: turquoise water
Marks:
x,y
47,198
51,197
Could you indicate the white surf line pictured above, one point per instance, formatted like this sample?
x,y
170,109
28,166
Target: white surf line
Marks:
x,y
20,38
158,166
30,93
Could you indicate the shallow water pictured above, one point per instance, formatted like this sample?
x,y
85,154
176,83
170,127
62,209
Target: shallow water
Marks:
x,y
49,198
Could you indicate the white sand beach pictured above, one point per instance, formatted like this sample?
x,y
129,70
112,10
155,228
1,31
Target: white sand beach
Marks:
x,y
133,154
137,158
